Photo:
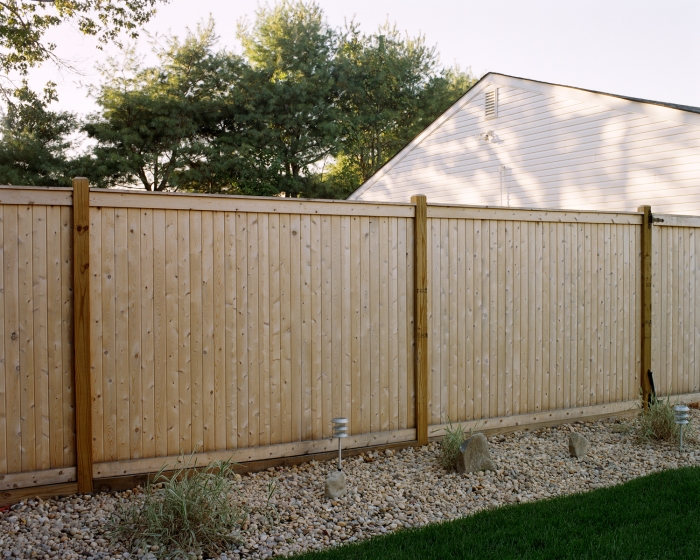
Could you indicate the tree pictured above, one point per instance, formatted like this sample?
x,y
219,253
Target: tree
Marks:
x,y
392,87
157,124
292,49
24,24
35,140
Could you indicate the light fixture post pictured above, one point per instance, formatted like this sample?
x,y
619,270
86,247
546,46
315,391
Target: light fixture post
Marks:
x,y
681,415
340,430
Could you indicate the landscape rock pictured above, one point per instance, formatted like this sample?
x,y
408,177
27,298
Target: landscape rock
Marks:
x,y
336,486
578,445
388,493
474,455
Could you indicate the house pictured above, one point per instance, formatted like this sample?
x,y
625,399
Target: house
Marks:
x,y
517,142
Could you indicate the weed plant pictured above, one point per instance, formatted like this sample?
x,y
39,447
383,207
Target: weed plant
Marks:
x,y
449,446
189,514
657,423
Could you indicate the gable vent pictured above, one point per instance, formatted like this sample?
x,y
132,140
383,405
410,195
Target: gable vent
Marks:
x,y
491,104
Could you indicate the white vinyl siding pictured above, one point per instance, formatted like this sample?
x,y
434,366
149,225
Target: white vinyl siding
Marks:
x,y
559,152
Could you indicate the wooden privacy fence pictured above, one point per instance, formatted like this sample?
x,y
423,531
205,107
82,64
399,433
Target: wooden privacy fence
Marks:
x,y
161,324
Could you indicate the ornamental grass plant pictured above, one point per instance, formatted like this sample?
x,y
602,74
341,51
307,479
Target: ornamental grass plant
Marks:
x,y
455,435
657,423
192,513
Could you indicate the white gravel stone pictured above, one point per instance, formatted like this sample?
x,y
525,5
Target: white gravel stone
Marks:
x,y
385,493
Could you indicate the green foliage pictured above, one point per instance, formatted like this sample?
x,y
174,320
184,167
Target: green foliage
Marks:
x,y
23,25
155,123
304,111
392,89
191,513
451,442
292,49
35,140
657,423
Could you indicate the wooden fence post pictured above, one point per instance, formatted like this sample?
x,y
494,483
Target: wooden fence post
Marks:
x,y
647,226
81,329
421,317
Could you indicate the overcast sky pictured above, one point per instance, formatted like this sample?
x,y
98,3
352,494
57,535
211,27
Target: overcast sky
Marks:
x,y
640,48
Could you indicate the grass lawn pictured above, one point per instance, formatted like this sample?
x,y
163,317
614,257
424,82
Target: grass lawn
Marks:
x,y
657,516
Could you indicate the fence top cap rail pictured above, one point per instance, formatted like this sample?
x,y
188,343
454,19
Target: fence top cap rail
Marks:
x,y
236,203
245,197
39,196
525,209
553,215
20,187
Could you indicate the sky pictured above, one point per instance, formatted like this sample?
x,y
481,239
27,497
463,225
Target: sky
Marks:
x,y
640,48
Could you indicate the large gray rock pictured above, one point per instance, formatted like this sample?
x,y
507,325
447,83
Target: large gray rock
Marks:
x,y
336,485
474,455
578,445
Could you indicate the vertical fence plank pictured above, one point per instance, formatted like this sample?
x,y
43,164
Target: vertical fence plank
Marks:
x,y
402,322
421,317
172,317
327,372
109,385
392,327
581,310
26,338
96,335
545,288
506,346
81,278
55,351
160,353
478,318
221,284
337,372
316,299
12,341
453,330
306,332
196,327
470,318
375,396
274,410
67,338
39,298
148,425
240,392
208,337
295,266
516,317
231,320
502,331
134,314
346,310
263,380
286,380
356,325
461,339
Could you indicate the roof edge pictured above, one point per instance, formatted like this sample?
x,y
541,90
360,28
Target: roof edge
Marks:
x,y
691,115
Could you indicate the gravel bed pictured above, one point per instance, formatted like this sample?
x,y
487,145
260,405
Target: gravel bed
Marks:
x,y
386,492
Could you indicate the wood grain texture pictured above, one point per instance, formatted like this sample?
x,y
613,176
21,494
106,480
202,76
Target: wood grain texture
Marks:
x,y
81,306
216,331
421,317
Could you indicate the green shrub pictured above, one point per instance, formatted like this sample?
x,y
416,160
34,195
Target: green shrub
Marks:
x,y
191,513
449,446
657,423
